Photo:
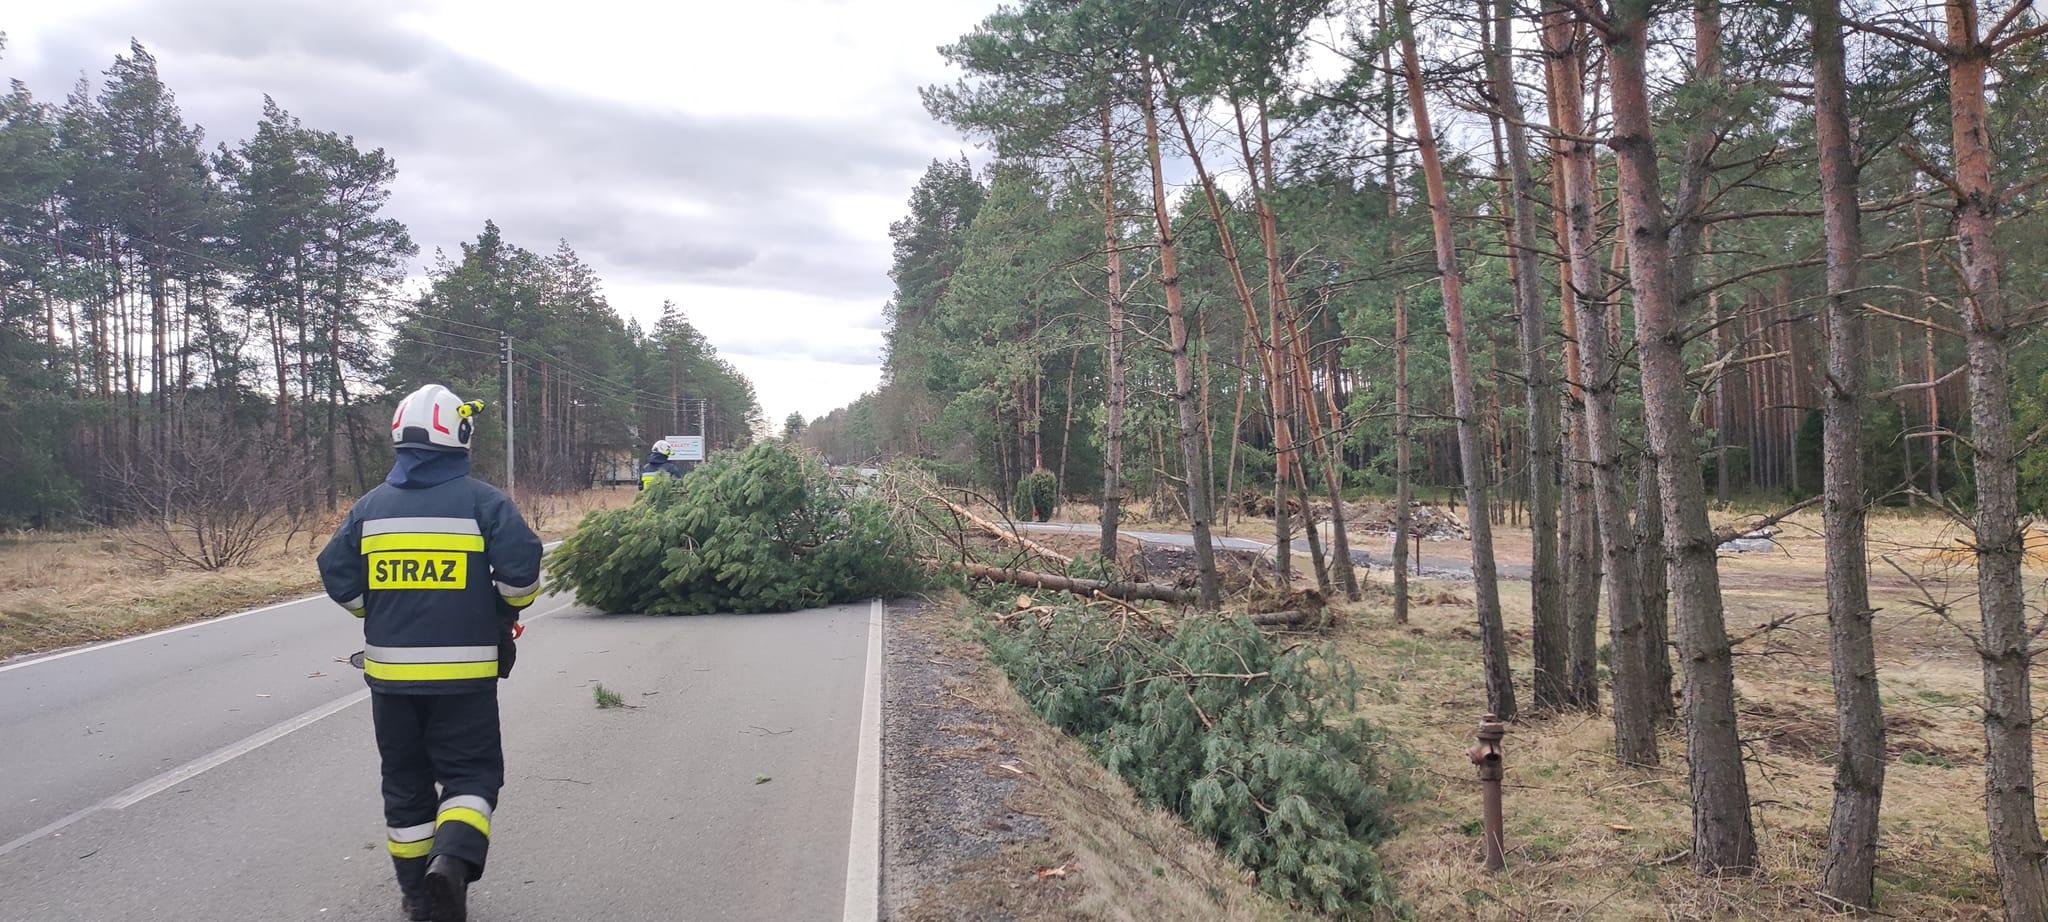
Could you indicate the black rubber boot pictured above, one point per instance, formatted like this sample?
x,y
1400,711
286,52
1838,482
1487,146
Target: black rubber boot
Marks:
x,y
448,889
415,907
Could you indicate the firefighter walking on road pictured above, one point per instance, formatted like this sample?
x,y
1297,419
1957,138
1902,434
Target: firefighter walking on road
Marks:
x,y
657,465
438,566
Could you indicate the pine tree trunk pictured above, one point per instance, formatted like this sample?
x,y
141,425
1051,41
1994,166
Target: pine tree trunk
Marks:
x,y
1724,841
1930,373
1403,449
1339,554
1280,373
1723,421
1403,464
1635,738
1268,351
1550,635
1656,598
1580,529
1849,873
1183,366
2016,846
1113,356
1067,424
1500,689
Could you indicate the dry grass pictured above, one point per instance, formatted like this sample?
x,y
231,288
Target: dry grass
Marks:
x,y
1591,840
65,588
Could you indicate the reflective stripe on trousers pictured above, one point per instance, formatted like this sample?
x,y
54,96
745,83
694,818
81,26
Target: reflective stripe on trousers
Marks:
x,y
411,841
466,808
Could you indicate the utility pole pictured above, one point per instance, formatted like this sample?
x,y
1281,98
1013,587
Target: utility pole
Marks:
x,y
702,432
510,480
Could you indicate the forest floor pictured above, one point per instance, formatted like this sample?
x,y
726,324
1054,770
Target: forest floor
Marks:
x,y
62,588
1589,839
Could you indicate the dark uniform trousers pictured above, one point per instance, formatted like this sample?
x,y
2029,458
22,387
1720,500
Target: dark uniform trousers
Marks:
x,y
446,740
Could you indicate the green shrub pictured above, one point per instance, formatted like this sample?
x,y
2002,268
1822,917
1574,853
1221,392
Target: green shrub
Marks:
x,y
1037,496
1274,768
765,529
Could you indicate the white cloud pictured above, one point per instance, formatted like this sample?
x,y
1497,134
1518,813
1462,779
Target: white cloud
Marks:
x,y
742,159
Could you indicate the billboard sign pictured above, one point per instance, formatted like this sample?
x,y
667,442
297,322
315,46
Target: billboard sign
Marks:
x,y
686,448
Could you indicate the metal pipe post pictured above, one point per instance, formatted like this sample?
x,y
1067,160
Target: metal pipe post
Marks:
x,y
1486,755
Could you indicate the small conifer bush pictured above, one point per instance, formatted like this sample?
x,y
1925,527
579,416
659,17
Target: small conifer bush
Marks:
x,y
1037,496
1254,746
760,530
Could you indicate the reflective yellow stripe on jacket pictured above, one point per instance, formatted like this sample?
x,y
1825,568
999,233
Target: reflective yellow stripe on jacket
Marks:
x,y
421,541
430,664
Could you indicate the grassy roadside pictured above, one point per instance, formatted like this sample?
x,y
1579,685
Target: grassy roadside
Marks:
x,y
1588,839
65,588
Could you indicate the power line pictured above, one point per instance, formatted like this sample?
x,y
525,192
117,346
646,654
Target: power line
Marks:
x,y
452,348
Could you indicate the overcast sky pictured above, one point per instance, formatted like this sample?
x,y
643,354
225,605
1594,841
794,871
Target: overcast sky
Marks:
x,y
743,159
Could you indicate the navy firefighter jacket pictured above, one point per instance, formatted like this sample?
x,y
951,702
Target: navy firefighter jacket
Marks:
x,y
438,566
657,465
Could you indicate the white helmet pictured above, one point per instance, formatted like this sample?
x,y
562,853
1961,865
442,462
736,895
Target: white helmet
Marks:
x,y
433,417
662,447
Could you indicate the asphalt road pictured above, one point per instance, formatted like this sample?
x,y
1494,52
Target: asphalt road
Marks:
x,y
1459,568
227,771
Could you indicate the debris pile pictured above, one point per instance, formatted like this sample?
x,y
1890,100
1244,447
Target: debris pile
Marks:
x,y
1429,522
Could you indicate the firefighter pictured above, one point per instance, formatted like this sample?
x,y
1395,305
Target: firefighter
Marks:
x,y
657,464
438,566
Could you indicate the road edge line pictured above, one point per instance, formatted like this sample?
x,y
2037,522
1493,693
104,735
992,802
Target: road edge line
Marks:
x,y
864,845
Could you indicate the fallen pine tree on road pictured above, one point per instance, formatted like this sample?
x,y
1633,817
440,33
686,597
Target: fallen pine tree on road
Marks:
x,y
761,530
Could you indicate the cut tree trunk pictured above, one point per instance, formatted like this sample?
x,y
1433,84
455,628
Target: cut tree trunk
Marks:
x,y
1123,590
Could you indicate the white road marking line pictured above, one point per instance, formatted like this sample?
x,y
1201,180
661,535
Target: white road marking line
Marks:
x,y
863,849
230,752
110,644
217,758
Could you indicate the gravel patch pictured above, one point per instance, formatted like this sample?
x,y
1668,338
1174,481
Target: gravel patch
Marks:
x,y
946,797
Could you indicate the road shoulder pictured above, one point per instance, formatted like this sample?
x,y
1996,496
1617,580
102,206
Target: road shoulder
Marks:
x,y
988,813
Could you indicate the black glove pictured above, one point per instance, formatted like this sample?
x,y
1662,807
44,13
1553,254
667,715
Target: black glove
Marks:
x,y
508,653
